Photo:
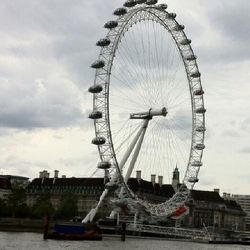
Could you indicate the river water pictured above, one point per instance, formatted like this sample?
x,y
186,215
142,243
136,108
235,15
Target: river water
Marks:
x,y
30,241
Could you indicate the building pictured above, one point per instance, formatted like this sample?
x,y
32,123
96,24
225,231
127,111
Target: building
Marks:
x,y
156,192
17,181
205,209
244,201
10,182
5,187
234,216
208,208
88,191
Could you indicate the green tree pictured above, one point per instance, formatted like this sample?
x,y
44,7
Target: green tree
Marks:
x,y
42,206
16,201
68,207
4,211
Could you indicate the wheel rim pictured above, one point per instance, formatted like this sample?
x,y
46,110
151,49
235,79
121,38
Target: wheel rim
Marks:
x,y
109,79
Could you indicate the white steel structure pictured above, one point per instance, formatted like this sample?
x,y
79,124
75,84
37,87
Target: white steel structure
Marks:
x,y
148,107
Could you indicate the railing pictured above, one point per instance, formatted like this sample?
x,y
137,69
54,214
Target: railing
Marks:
x,y
171,231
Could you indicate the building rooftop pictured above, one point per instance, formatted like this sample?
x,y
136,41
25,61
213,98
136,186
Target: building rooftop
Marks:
x,y
39,182
15,177
209,196
165,190
231,204
133,183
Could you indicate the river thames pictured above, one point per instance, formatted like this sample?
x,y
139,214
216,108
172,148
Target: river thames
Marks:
x,y
30,241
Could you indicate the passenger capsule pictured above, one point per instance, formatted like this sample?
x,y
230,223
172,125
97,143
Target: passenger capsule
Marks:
x,y
120,11
98,64
151,2
130,3
95,115
98,141
196,74
103,42
162,6
185,42
200,111
199,92
191,58
193,179
104,165
196,164
95,89
199,146
141,1
178,27
171,15
200,129
111,24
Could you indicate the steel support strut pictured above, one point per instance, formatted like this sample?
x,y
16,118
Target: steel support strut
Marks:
x,y
146,116
90,216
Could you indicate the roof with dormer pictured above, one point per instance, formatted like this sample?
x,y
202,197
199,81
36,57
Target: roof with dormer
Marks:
x,y
83,184
143,186
209,196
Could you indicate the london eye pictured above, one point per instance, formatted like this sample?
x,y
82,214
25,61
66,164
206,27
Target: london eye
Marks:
x,y
148,106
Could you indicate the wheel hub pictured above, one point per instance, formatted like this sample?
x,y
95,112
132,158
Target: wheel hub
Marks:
x,y
149,114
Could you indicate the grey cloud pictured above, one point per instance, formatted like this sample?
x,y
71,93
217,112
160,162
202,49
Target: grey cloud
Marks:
x,y
22,167
182,121
228,21
230,18
245,126
72,161
27,117
54,41
230,133
4,132
180,125
64,30
245,150
208,180
87,162
54,17
57,137
43,106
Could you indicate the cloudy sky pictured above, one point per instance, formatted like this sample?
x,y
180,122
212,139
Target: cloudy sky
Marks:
x,y
46,48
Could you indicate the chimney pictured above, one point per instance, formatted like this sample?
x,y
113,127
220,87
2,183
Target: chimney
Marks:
x,y
56,174
63,176
41,175
217,190
160,180
153,179
224,195
138,175
44,175
228,196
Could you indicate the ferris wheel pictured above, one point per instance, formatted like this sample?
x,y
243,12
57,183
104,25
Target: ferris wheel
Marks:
x,y
148,107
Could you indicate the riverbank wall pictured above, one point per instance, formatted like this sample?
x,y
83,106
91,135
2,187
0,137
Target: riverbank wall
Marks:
x,y
21,225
